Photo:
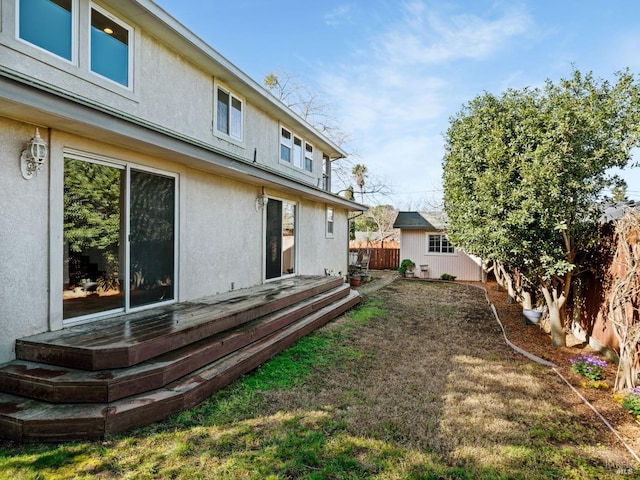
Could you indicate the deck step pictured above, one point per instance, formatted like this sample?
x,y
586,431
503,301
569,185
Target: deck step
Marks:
x,y
28,420
128,340
57,384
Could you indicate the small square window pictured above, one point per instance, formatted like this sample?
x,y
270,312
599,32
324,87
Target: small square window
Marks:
x,y
110,47
48,24
439,243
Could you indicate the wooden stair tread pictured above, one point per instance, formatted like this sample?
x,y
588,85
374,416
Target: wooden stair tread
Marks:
x,y
25,420
130,339
63,384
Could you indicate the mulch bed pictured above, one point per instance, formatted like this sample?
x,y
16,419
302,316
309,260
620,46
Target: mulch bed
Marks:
x,y
535,340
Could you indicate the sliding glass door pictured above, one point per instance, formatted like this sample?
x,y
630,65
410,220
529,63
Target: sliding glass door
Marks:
x,y
119,238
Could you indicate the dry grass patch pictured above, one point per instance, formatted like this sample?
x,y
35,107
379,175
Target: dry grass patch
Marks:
x,y
417,383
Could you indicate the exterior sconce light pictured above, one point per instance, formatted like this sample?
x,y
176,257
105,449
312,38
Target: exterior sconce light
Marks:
x,y
33,157
261,202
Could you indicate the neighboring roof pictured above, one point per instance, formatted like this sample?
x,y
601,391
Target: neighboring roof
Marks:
x,y
616,211
421,221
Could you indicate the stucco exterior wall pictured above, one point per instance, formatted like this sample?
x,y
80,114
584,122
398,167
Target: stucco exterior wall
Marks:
x,y
413,245
24,237
167,90
220,231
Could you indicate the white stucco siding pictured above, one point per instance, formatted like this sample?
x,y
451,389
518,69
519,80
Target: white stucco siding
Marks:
x,y
221,236
318,251
24,236
167,90
462,266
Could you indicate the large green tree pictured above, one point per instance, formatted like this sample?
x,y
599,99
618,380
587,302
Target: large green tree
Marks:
x,y
524,172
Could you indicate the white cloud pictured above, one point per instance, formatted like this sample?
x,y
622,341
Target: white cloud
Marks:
x,y
339,15
394,97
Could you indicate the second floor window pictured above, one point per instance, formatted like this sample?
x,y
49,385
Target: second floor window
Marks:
x,y
308,157
285,145
110,47
229,114
295,151
47,24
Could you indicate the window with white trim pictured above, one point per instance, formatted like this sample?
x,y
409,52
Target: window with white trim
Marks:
x,y
295,151
326,172
438,243
285,145
329,222
308,157
229,114
110,47
49,25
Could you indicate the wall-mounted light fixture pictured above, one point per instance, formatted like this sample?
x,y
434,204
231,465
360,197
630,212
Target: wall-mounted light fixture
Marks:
x,y
261,201
33,157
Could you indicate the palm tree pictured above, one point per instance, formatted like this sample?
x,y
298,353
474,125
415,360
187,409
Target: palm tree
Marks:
x,y
360,174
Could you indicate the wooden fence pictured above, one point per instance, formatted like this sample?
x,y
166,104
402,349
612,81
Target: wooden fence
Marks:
x,y
381,258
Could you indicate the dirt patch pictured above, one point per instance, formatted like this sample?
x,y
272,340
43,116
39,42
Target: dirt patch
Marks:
x,y
534,340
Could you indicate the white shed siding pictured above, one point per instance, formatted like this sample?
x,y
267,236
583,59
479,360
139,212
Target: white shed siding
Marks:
x,y
413,245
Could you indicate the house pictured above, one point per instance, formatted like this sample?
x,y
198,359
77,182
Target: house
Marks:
x,y
423,239
142,169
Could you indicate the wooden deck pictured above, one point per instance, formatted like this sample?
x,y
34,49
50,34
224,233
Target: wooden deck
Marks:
x,y
89,380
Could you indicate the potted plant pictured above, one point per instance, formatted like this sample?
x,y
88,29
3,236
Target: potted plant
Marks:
x,y
406,267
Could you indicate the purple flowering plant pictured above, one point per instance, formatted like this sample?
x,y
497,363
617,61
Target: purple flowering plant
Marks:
x,y
632,402
588,365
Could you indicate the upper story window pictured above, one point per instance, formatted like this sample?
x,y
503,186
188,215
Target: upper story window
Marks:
x,y
308,157
285,145
48,24
326,172
295,151
110,47
438,243
228,114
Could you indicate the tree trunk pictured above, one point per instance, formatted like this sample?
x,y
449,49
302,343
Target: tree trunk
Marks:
x,y
555,304
526,300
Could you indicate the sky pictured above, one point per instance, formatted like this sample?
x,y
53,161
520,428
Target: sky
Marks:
x,y
394,72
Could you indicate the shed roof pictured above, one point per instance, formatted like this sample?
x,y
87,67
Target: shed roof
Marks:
x,y
421,221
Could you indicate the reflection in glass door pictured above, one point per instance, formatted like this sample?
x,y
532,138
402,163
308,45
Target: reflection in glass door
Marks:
x,y
280,239
152,216
93,222
104,205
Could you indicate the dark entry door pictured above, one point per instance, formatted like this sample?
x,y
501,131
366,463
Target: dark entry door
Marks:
x,y
274,239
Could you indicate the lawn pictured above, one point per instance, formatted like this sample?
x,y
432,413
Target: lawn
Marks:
x,y
416,383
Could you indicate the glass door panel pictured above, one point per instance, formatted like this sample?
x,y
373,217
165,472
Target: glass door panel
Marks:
x,y
274,239
93,224
280,239
152,227
288,238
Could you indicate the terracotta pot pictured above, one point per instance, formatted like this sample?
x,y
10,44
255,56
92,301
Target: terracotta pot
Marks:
x,y
354,281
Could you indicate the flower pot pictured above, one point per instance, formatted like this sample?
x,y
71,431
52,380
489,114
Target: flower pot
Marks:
x,y
408,274
531,317
354,281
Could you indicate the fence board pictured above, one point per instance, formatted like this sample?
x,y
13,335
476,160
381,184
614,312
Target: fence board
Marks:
x,y
381,258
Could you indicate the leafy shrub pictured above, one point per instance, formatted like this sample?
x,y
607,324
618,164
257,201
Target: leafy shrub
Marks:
x,y
632,402
405,265
589,366
446,276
